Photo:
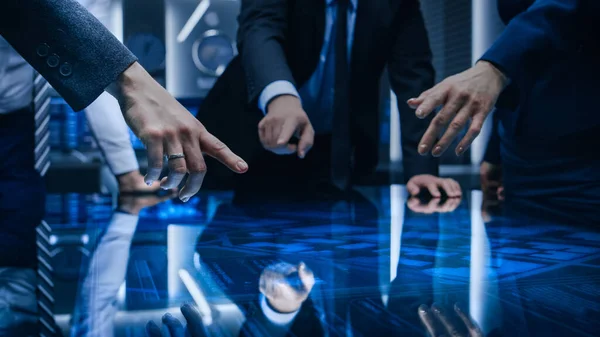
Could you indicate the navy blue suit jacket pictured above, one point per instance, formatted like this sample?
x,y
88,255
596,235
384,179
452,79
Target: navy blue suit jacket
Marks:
x,y
548,132
66,44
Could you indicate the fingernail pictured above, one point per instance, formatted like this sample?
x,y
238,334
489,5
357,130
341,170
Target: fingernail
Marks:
x,y
301,155
242,166
149,182
422,149
185,199
423,308
420,113
167,316
437,150
459,151
437,309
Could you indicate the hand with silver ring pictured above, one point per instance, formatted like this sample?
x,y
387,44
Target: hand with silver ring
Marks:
x,y
175,156
166,127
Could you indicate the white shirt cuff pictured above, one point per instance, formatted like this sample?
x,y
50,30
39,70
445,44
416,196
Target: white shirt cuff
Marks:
x,y
276,317
123,224
273,90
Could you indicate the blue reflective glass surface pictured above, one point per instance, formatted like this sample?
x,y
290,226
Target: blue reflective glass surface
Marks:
x,y
371,265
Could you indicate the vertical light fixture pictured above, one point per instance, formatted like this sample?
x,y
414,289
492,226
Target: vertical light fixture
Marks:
x,y
116,19
486,27
395,140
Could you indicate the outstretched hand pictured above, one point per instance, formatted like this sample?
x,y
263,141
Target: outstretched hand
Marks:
x,y
439,323
168,129
465,97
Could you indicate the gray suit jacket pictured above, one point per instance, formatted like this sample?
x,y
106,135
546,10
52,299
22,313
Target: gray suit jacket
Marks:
x,y
65,44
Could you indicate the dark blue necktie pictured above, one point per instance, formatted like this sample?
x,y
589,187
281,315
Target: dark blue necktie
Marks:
x,y
341,151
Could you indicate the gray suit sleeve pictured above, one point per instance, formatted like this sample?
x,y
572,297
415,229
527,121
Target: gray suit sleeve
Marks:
x,y
66,44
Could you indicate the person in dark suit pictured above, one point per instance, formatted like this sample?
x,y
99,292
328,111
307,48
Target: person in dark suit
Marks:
x,y
545,62
305,91
80,58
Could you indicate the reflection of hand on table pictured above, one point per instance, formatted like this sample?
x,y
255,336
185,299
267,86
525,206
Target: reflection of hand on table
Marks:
x,y
439,323
172,327
491,180
134,204
433,185
435,205
286,286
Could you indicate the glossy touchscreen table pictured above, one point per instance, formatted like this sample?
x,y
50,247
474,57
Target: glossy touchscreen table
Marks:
x,y
372,266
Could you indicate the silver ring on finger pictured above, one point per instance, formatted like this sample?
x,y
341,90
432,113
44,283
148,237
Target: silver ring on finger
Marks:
x,y
175,156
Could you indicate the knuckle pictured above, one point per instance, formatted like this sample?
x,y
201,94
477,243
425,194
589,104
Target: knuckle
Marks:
x,y
456,125
219,146
464,95
198,168
185,131
440,121
156,165
178,168
170,133
475,129
478,102
153,134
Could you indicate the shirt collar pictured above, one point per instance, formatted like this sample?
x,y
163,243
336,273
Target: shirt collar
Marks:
x,y
353,3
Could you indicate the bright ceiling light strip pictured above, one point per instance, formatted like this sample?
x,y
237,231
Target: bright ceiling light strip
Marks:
x,y
193,20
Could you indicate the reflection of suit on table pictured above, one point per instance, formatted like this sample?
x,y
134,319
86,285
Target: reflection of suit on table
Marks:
x,y
331,306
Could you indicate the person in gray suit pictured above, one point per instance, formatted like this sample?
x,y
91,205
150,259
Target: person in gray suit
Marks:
x,y
81,59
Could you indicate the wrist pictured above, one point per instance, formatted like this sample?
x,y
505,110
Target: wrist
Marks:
x,y
285,100
502,80
123,87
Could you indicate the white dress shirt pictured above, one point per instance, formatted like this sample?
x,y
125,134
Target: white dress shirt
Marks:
x,y
16,80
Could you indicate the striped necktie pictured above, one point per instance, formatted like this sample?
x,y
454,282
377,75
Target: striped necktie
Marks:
x,y
45,286
41,108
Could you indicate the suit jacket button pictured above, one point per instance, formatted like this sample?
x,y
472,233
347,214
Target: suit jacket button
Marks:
x,y
52,61
65,69
43,50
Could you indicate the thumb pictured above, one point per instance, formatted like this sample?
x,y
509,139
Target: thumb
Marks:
x,y
434,190
287,131
413,189
306,276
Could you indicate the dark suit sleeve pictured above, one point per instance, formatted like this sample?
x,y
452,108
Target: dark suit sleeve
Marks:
x,y
261,39
492,151
66,44
411,72
546,24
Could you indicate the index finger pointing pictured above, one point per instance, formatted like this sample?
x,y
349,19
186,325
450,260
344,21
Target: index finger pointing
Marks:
x,y
212,146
